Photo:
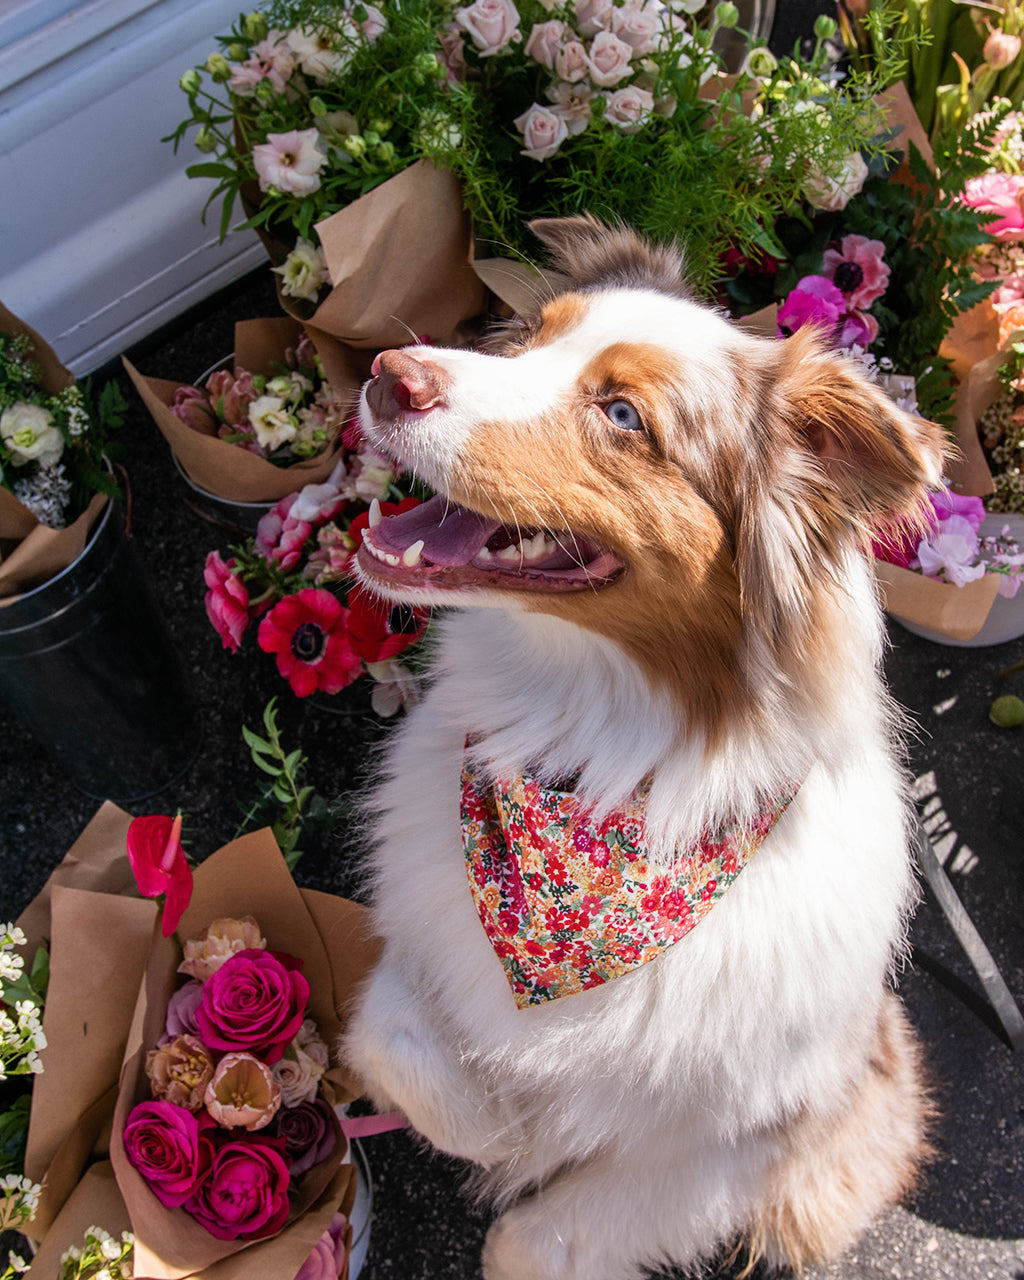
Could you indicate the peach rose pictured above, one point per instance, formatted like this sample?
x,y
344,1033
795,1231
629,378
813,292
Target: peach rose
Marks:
x,y
543,132
223,939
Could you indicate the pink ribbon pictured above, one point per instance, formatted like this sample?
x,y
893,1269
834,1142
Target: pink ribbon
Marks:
x,y
368,1126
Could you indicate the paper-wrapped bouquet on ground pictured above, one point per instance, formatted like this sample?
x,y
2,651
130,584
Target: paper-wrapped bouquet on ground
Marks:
x,y
222,1155
54,478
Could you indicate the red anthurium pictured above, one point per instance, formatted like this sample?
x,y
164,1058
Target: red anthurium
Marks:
x,y
159,865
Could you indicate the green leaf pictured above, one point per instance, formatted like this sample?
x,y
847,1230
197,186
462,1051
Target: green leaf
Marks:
x,y
255,742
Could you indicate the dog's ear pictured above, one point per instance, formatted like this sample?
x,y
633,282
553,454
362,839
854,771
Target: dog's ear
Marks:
x,y
840,463
594,255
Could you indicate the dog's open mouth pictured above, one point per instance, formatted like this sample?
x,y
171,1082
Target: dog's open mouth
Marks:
x,y
442,545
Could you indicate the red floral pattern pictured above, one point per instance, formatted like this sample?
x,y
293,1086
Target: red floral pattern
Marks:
x,y
569,903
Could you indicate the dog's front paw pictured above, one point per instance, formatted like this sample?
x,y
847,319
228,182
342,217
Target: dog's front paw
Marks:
x,y
522,1245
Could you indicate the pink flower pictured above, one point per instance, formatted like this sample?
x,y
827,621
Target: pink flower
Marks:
x,y
290,162
179,1070
192,407
815,300
223,939
490,24
230,395
856,268
243,1194
162,1142
946,503
593,16
371,25
608,59
272,60
242,1093
571,65
856,328
280,538
227,601
572,102
308,1133
1001,49
1002,194
327,1259
1008,294
639,23
181,1011
159,865
545,40
543,132
309,634
629,109
254,1003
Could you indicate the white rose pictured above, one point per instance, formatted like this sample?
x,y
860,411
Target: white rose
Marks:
x,y
29,432
491,24
629,108
608,59
835,193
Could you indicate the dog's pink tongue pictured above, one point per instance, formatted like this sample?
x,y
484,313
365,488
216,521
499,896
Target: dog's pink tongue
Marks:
x,y
451,535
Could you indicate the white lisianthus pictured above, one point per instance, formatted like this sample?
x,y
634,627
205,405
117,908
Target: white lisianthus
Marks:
x,y
315,53
290,161
30,433
273,424
831,194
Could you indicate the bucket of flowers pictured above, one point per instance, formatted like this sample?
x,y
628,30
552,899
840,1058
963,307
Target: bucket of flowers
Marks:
x,y
261,423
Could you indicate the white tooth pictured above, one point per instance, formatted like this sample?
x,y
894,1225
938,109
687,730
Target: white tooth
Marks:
x,y
411,555
390,559
375,514
484,553
511,553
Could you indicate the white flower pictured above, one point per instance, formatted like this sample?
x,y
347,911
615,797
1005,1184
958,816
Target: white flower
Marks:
x,y
290,161
303,271
315,53
831,194
273,424
950,553
29,432
46,492
395,687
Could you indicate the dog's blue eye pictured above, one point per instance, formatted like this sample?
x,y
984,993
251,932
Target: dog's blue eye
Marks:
x,y
622,414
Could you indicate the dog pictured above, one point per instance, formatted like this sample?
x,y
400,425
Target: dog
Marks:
x,y
640,856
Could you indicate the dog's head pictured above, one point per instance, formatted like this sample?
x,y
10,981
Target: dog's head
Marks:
x,y
633,462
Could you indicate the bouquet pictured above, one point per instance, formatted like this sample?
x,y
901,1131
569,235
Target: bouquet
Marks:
x,y
285,415
53,440
294,576
617,108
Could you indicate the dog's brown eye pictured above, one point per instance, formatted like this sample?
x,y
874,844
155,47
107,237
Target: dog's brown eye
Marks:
x,y
622,414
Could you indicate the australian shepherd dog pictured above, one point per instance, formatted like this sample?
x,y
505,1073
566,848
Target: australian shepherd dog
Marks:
x,y
640,856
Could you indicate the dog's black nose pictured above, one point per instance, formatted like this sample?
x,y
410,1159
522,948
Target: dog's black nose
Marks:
x,y
402,383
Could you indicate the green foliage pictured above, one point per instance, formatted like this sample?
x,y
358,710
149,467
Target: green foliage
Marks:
x,y
290,808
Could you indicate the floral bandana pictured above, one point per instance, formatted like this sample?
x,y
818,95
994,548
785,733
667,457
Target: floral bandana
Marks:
x,y
569,903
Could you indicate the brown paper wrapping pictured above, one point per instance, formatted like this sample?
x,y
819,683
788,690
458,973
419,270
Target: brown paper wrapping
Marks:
x,y
400,264
246,877
111,973
30,553
226,470
958,613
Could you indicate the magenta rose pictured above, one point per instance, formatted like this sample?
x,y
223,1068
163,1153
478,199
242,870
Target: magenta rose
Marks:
x,y
243,1194
165,1145
308,1133
254,1003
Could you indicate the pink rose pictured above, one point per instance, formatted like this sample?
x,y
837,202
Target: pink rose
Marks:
x,y
545,40
327,1259
542,130
308,1132
253,1003
593,16
453,52
629,109
640,24
608,59
227,601
1001,194
571,61
491,24
192,407
162,1142
181,1011
244,1192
